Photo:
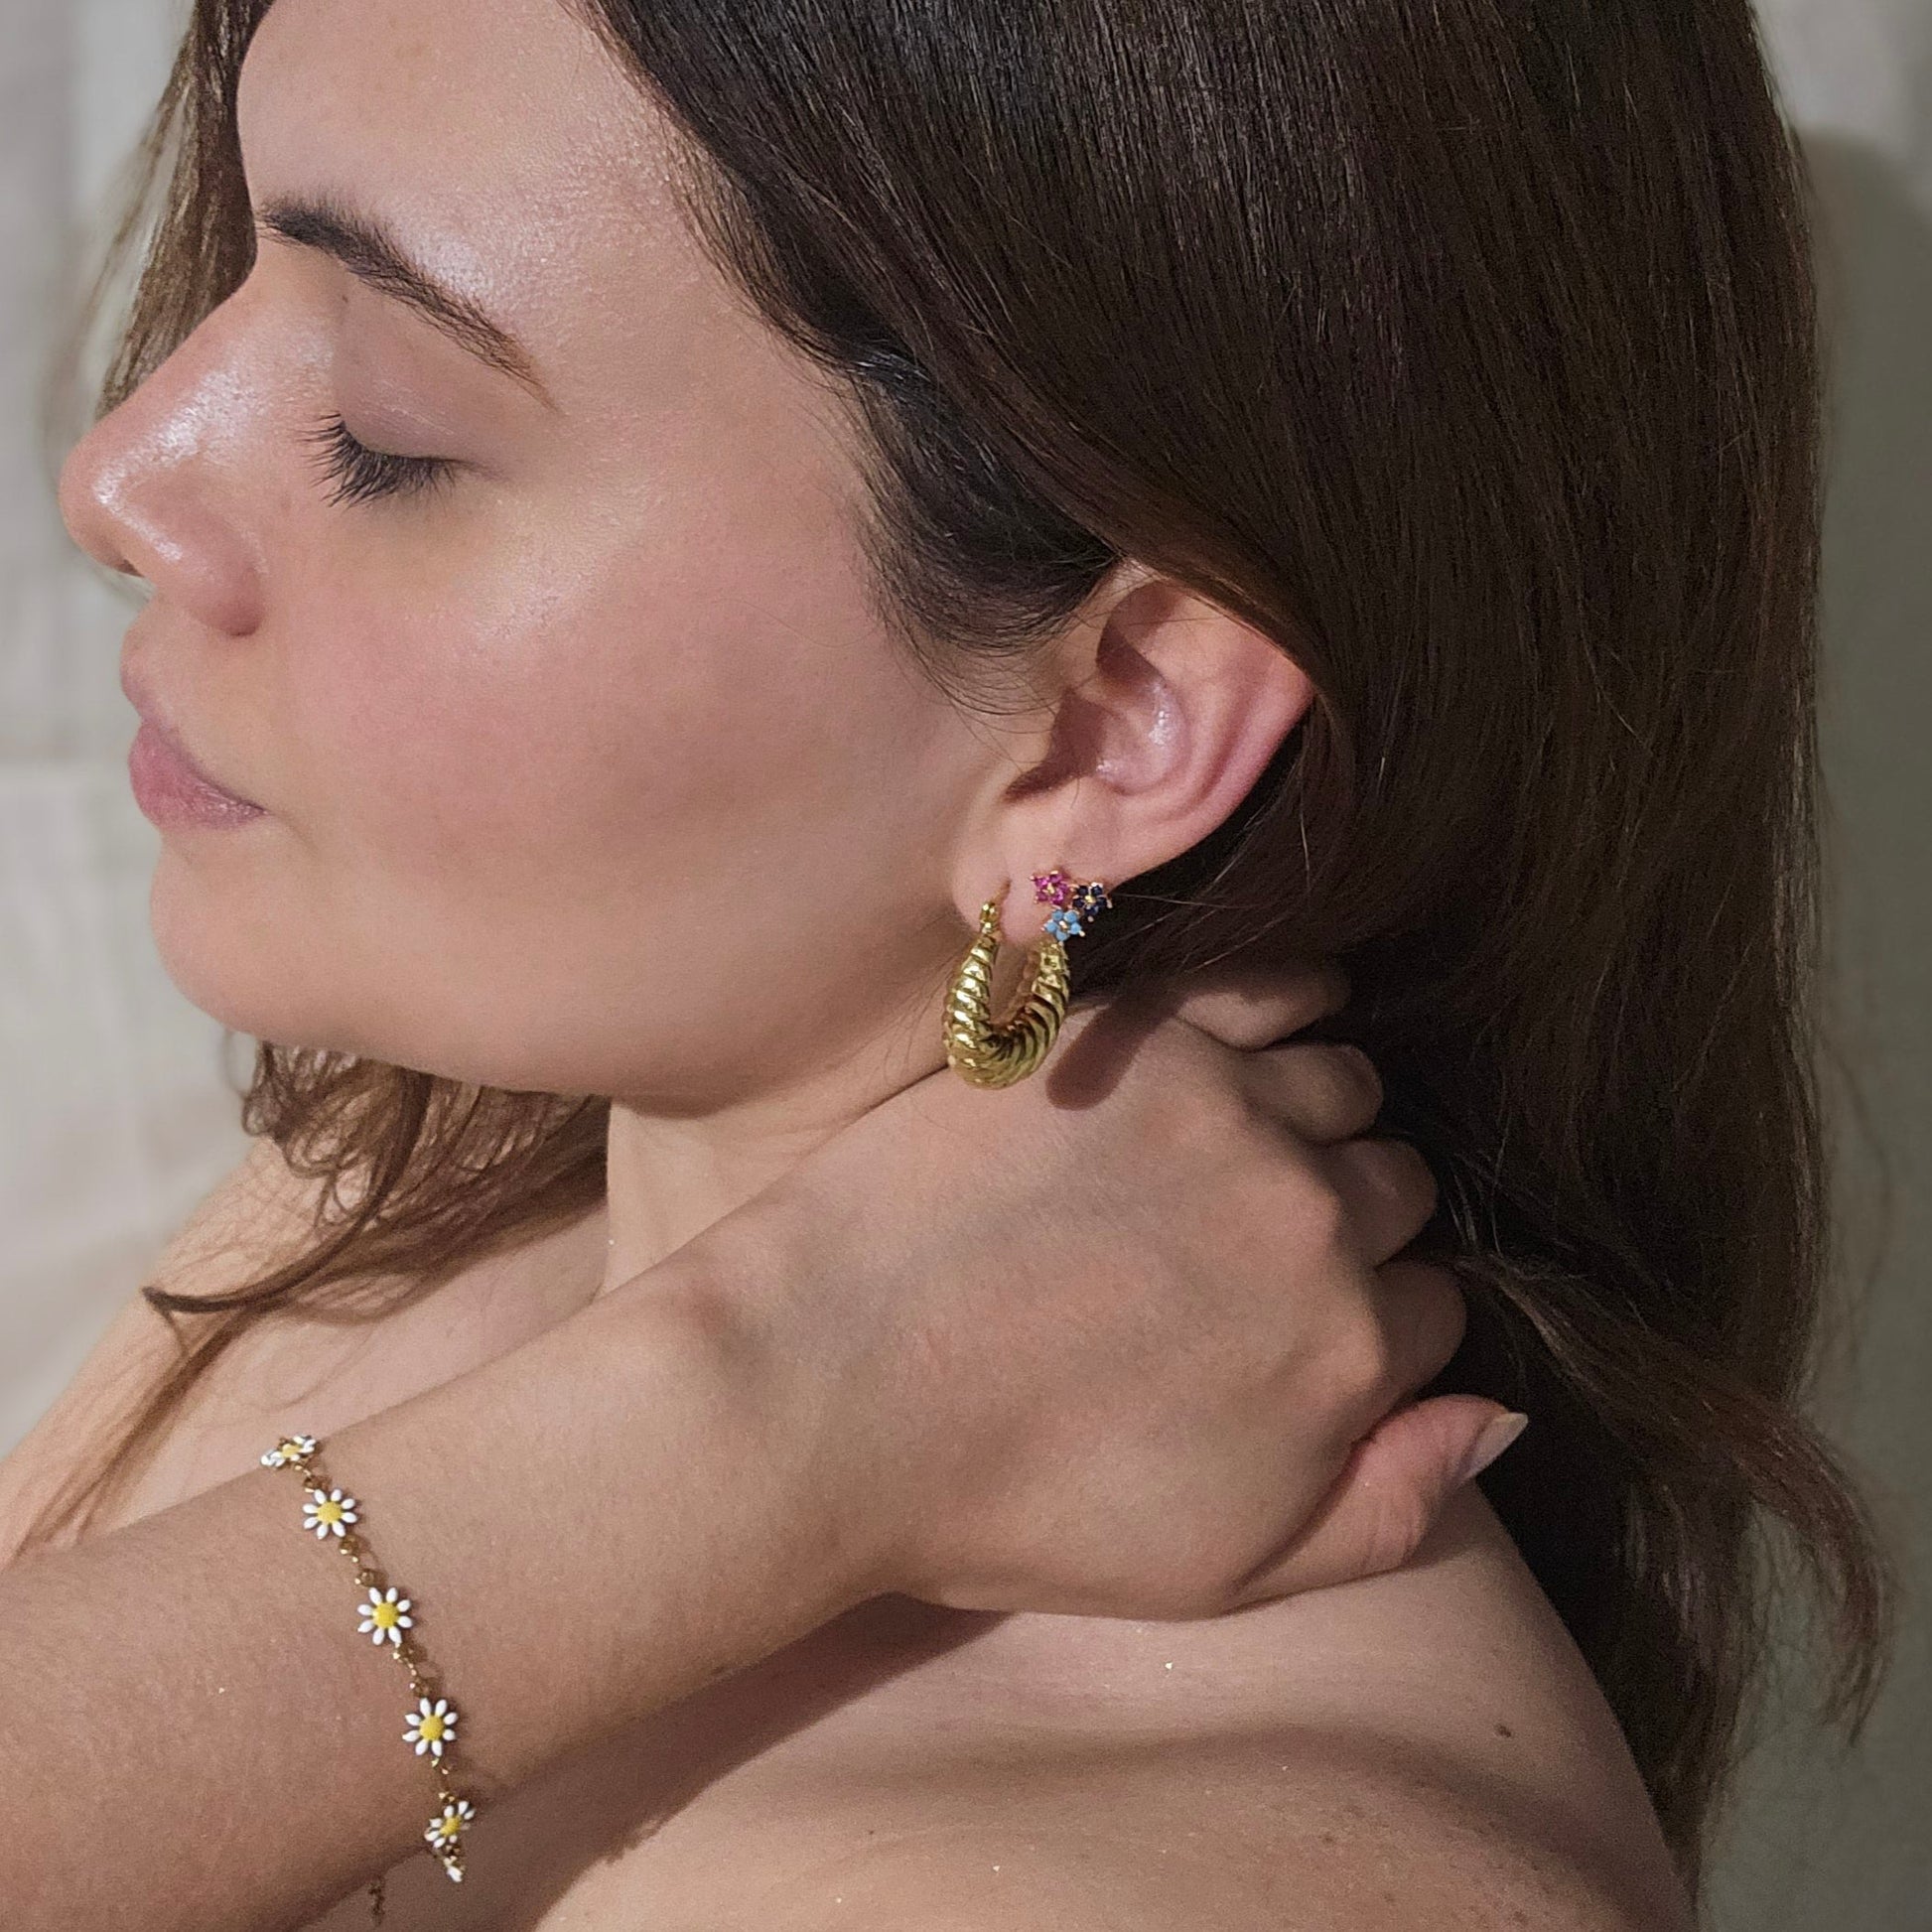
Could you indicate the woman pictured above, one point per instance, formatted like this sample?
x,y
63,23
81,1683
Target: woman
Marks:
x,y
1344,480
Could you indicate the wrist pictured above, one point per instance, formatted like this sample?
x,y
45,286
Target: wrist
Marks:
x,y
733,1323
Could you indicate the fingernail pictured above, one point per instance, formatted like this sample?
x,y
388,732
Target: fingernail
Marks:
x,y
1498,1434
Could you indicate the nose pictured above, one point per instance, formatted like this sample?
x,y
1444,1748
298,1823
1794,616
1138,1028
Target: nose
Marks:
x,y
150,491
87,501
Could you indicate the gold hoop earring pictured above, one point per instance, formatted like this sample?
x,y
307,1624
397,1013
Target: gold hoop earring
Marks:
x,y
991,1052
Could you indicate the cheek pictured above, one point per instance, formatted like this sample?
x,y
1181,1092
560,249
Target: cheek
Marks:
x,y
441,745
572,726
532,804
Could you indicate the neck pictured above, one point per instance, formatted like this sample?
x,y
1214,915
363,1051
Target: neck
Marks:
x,y
670,1176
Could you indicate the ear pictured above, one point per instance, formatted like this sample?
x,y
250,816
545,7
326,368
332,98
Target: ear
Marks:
x,y
1163,710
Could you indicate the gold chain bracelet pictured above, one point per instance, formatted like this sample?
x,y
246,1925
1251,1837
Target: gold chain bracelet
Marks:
x,y
431,1726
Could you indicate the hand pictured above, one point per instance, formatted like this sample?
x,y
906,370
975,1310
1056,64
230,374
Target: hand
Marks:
x,y
1125,1339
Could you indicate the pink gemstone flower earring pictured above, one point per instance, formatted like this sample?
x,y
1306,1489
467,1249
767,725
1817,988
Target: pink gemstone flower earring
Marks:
x,y
994,1053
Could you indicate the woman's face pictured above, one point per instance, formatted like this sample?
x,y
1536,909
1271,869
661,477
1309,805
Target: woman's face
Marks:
x,y
587,762
585,765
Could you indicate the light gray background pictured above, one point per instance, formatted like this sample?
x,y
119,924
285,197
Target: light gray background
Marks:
x,y
114,1115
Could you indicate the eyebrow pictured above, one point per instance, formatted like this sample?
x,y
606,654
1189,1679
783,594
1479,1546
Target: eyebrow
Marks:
x,y
370,249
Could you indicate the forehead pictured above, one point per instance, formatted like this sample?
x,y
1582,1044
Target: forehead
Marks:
x,y
511,156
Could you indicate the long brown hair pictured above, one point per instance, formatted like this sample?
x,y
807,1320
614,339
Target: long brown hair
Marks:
x,y
1468,351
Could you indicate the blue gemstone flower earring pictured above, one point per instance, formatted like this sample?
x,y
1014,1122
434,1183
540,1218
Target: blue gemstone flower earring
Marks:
x,y
996,1052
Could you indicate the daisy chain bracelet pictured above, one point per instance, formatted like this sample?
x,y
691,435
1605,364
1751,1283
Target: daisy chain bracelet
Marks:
x,y
431,1726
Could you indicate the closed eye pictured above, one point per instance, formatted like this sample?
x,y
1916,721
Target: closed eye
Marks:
x,y
360,474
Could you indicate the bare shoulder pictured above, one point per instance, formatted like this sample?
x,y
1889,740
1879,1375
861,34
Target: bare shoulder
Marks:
x,y
255,1210
1361,1844
1421,1749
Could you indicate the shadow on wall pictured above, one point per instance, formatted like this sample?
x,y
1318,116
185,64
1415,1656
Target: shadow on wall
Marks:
x,y
1819,1841
1874,249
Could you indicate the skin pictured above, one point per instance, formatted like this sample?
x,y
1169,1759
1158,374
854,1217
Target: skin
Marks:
x,y
563,756
842,1426
588,769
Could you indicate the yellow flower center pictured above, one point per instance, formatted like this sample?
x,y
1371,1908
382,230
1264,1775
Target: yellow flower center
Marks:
x,y
327,1512
385,1614
430,1728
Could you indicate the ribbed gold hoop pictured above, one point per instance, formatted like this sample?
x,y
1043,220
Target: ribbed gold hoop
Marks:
x,y
994,1053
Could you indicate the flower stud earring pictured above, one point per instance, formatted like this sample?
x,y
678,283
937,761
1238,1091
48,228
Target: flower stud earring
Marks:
x,y
1071,903
994,1053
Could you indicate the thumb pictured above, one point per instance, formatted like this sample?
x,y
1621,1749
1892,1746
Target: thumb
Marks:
x,y
1389,1493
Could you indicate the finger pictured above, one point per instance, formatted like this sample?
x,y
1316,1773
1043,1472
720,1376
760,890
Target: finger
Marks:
x,y
1324,1091
1247,1007
1396,1483
1388,1193
1423,1315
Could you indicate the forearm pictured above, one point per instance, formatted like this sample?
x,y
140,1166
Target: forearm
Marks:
x,y
192,1732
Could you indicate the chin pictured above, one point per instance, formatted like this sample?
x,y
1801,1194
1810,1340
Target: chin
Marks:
x,y
244,958
346,972
281,981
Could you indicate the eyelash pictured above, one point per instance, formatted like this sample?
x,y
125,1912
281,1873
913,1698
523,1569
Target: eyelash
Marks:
x,y
363,473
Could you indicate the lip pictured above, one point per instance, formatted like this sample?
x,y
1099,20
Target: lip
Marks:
x,y
169,787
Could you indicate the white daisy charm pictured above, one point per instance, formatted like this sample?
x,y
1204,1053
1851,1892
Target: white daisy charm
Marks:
x,y
431,1726
446,1830
328,1515
384,1615
288,1450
